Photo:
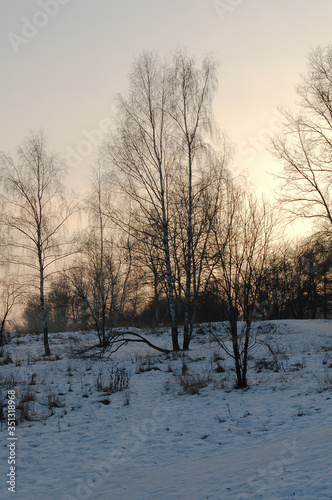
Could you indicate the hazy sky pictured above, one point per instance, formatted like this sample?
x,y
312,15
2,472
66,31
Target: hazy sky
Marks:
x,y
64,61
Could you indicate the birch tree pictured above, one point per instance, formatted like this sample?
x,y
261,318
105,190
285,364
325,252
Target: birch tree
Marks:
x,y
35,213
160,158
141,159
197,170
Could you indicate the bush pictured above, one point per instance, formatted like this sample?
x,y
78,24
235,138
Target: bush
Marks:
x,y
219,369
28,395
193,383
325,382
26,412
118,380
7,359
54,402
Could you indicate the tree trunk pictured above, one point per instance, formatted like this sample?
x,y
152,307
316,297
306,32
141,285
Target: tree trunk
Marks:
x,y
44,318
42,297
245,356
186,333
102,284
171,302
156,299
325,297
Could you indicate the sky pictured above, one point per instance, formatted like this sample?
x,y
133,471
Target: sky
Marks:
x,y
64,61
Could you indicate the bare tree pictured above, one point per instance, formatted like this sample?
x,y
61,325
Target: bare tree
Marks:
x,y
297,280
10,293
98,206
161,161
150,267
141,158
98,280
192,265
61,305
35,212
242,239
305,145
198,170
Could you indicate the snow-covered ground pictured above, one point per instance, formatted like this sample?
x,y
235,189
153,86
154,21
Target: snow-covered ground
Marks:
x,y
157,441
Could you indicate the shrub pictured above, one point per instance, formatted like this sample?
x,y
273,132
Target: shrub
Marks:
x,y
219,369
118,380
193,383
325,382
26,412
8,382
7,359
28,395
145,365
54,402
264,364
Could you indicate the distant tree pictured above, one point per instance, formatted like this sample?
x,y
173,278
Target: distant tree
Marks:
x,y
97,207
35,212
10,293
277,293
312,277
305,145
297,280
10,288
31,315
99,292
61,303
149,260
323,254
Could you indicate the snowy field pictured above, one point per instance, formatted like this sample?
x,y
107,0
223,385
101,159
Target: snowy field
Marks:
x,y
180,430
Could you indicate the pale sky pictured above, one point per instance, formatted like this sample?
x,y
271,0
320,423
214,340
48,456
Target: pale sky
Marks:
x,y
64,61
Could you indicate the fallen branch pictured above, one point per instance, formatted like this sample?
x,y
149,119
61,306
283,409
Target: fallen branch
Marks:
x,y
119,338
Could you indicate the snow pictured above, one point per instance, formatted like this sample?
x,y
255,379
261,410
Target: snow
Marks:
x,y
272,441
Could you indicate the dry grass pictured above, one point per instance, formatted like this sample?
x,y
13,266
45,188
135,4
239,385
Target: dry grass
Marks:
x,y
193,383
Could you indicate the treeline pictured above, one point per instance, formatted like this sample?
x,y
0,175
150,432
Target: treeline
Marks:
x,y
296,284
